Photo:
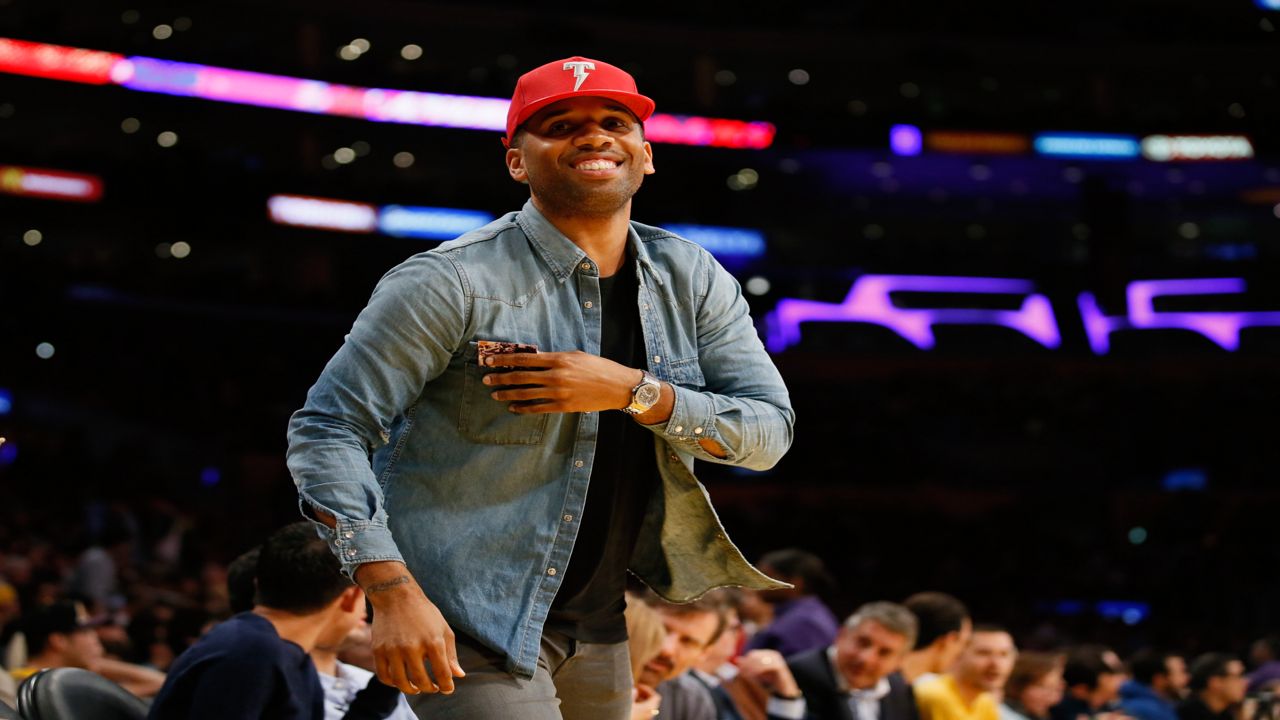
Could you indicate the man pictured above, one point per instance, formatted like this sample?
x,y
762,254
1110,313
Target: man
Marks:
x,y
944,631
1264,656
340,681
853,679
62,635
691,629
256,665
58,635
736,696
1156,686
801,621
1093,675
1217,685
970,690
646,360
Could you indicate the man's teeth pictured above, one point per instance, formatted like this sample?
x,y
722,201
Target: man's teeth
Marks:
x,y
597,165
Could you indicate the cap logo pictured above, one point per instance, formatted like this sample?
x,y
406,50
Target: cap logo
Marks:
x,y
579,69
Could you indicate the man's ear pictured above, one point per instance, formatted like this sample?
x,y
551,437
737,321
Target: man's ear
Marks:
x,y
351,598
515,165
649,169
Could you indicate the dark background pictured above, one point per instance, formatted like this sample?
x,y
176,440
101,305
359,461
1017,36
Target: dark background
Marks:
x,y
1011,475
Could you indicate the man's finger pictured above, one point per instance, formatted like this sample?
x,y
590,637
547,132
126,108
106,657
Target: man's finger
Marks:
x,y
451,651
533,408
539,359
382,667
535,393
395,668
417,673
518,377
439,660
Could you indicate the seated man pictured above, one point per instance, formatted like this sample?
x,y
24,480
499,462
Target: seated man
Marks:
x,y
1218,685
970,689
61,635
1093,675
691,629
853,679
1158,683
256,665
944,629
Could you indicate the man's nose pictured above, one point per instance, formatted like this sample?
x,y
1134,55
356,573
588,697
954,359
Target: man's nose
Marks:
x,y
593,136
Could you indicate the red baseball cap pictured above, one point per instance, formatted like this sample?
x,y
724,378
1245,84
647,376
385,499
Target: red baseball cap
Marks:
x,y
573,77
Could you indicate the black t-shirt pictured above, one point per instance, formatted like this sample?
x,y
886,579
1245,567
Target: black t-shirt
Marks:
x,y
589,604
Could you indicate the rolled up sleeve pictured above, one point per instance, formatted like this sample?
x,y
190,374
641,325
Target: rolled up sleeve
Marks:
x,y
744,406
402,340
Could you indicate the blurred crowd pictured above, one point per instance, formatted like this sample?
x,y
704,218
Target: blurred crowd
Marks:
x,y
136,597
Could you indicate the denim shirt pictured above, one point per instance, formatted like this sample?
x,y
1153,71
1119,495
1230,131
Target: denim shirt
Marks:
x,y
401,442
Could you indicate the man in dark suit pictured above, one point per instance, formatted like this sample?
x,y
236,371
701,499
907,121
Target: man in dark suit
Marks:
x,y
854,679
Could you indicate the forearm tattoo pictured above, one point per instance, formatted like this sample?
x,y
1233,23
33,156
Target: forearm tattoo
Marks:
x,y
386,584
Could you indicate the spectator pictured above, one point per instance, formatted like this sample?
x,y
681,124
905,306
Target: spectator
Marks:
x,y
1264,655
1093,675
645,634
691,629
1158,682
856,678
801,621
1217,688
61,635
1034,686
343,682
972,688
944,630
256,664
737,696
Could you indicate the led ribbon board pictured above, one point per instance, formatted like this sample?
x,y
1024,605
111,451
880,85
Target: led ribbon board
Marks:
x,y
1096,146
1222,328
723,242
51,184
869,301
1169,148
167,77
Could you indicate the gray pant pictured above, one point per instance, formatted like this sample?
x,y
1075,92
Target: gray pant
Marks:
x,y
573,681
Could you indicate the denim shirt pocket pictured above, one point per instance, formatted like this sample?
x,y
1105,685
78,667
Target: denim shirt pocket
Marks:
x,y
485,420
685,373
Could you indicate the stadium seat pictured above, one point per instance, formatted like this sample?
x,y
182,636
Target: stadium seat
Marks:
x,y
66,693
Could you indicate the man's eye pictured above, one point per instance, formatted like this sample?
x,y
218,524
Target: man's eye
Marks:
x,y
558,127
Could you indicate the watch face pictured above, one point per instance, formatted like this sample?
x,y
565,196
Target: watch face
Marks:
x,y
648,394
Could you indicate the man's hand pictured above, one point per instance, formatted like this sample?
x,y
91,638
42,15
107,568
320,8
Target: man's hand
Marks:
x,y
565,382
408,632
768,668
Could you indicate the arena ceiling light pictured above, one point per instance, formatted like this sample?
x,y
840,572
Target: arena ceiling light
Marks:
x,y
282,92
50,184
1170,148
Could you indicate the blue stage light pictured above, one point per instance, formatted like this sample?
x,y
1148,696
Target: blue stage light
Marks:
x,y
429,223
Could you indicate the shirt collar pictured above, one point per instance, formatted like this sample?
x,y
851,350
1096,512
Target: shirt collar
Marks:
x,y
874,693
559,252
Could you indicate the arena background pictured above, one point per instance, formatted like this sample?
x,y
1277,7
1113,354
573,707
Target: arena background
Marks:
x,y
154,340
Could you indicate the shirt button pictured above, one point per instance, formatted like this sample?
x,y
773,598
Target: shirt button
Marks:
x,y
351,553
567,518
679,428
697,431
674,458
657,358
551,571
646,306
586,266
578,463
586,304
348,535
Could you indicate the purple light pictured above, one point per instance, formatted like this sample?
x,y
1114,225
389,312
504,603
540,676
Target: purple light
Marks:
x,y
869,301
400,106
905,140
1221,328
